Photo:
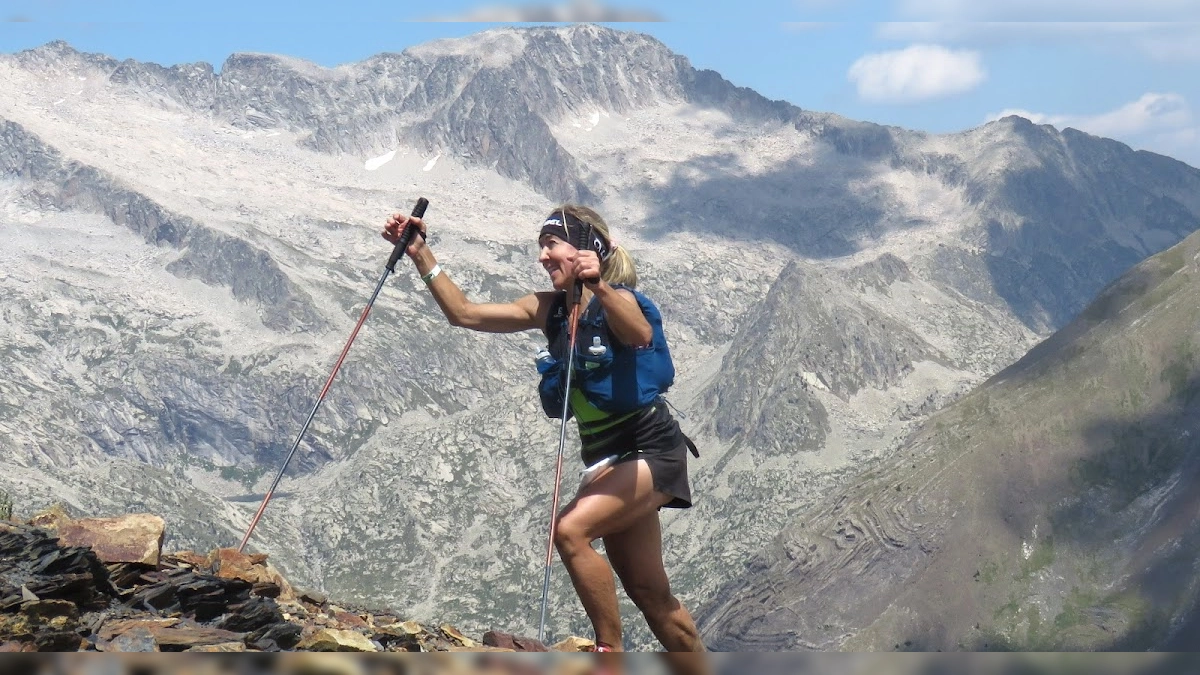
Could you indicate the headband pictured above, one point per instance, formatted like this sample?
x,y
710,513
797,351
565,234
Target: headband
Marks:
x,y
567,230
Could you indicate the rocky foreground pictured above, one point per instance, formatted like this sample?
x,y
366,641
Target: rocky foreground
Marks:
x,y
104,585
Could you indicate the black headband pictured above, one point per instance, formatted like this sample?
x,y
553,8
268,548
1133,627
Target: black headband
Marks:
x,y
566,231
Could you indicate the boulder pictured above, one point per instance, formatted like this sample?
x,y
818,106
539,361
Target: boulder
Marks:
x,y
133,538
335,640
575,644
229,563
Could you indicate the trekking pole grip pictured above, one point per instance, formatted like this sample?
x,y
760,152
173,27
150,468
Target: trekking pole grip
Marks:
x,y
407,235
582,237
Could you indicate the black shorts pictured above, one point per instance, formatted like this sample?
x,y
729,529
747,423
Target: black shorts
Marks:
x,y
653,435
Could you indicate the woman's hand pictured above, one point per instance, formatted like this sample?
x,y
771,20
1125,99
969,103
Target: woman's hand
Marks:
x,y
395,227
587,267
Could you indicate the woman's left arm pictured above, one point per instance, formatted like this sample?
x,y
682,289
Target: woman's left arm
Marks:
x,y
624,316
625,319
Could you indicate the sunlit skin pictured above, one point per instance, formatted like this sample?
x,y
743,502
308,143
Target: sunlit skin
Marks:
x,y
621,505
565,263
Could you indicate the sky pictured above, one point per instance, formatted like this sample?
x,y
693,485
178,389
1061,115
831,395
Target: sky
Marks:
x,y
1125,69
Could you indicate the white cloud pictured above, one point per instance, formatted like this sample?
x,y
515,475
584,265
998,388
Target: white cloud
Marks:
x,y
1161,122
917,73
1152,112
1049,10
1162,41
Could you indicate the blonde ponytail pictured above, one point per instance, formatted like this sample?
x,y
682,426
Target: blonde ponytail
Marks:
x,y
618,267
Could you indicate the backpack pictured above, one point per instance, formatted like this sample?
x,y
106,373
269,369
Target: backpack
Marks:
x,y
613,377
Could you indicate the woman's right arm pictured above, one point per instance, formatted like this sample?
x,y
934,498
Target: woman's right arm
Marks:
x,y
526,313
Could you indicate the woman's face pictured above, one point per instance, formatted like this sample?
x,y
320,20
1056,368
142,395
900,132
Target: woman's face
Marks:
x,y
556,257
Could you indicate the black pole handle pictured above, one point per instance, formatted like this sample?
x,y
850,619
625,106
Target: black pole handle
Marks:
x,y
582,238
407,235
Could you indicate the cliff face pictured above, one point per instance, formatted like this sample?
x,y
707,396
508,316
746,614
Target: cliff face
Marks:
x,y
1049,509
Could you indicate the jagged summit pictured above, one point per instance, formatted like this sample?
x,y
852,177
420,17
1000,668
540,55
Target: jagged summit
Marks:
x,y
489,98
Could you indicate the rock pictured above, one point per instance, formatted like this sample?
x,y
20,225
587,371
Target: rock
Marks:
x,y
334,640
60,597
515,643
34,565
454,635
228,563
188,558
251,615
314,598
48,625
350,620
278,636
266,589
528,644
574,644
49,518
136,640
53,613
222,647
172,634
497,639
111,629
186,591
134,538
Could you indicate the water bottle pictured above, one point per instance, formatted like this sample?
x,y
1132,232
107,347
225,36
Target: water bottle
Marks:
x,y
543,357
597,349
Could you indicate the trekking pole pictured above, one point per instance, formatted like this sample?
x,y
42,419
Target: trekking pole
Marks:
x,y
573,296
401,244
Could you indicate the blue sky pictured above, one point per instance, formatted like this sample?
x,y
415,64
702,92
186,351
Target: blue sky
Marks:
x,y
1125,69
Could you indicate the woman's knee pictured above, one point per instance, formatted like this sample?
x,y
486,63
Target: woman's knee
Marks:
x,y
571,536
652,598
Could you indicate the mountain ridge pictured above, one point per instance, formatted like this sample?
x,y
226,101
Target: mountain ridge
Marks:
x,y
990,512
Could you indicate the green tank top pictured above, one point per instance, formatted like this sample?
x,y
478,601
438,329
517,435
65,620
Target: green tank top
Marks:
x,y
593,422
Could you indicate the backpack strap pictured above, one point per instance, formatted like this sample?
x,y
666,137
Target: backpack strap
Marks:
x,y
691,446
556,318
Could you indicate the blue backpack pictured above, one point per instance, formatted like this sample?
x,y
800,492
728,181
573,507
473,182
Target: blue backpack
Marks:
x,y
613,377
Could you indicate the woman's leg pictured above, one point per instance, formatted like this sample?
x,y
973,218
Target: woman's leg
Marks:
x,y
636,555
611,503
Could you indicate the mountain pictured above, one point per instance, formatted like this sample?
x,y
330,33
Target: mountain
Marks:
x,y
185,249
1052,508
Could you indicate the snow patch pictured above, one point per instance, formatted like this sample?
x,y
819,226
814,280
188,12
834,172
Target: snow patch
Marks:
x,y
430,163
376,162
592,121
814,380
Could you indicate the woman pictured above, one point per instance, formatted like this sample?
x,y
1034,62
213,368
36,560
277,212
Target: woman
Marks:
x,y
616,404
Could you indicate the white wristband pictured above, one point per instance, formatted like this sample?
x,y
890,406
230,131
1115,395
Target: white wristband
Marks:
x,y
428,278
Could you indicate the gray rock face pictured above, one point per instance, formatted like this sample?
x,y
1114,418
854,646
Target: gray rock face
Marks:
x,y
211,257
1064,219
1050,509
183,252
810,333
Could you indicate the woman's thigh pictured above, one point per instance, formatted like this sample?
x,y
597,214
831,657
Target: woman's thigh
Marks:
x,y
614,501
